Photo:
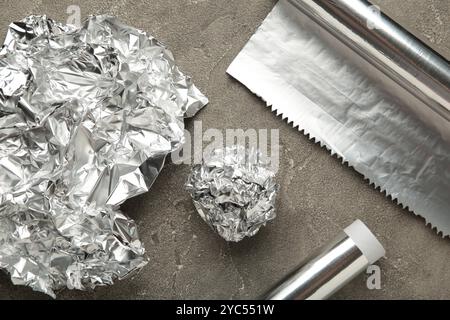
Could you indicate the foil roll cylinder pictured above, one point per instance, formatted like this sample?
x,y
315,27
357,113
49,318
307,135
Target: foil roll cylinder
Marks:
x,y
356,82
332,267
387,45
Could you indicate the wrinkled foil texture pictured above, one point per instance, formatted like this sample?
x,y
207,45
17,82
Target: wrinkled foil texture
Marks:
x,y
234,191
87,117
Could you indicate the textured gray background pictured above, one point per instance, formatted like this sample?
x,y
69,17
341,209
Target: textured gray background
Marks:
x,y
318,197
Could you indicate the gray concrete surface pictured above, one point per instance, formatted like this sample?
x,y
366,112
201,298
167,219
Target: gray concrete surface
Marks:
x,y
318,197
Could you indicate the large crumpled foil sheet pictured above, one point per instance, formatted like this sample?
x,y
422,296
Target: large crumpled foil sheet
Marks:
x,y
234,191
87,117
348,106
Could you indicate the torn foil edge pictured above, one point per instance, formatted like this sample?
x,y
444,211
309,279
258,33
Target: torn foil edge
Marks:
x,y
283,50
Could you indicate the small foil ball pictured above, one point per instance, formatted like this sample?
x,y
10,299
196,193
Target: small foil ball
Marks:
x,y
234,191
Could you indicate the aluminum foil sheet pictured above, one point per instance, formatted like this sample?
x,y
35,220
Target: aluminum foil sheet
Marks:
x,y
341,99
87,117
234,191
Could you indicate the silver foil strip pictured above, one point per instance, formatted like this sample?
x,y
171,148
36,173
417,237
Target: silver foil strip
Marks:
x,y
313,65
329,269
87,117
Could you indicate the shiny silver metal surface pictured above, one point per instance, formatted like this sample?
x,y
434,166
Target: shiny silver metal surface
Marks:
x,y
386,44
322,274
234,191
368,95
87,117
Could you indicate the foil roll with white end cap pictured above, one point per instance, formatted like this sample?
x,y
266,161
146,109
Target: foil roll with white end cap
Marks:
x,y
234,191
332,267
87,117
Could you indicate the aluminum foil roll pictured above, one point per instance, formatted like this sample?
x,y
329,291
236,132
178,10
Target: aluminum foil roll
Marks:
x,y
356,82
331,267
234,191
87,117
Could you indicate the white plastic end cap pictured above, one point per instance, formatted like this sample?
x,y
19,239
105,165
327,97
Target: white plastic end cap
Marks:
x,y
365,240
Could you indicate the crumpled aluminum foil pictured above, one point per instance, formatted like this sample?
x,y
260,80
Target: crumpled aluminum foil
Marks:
x,y
234,191
87,117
